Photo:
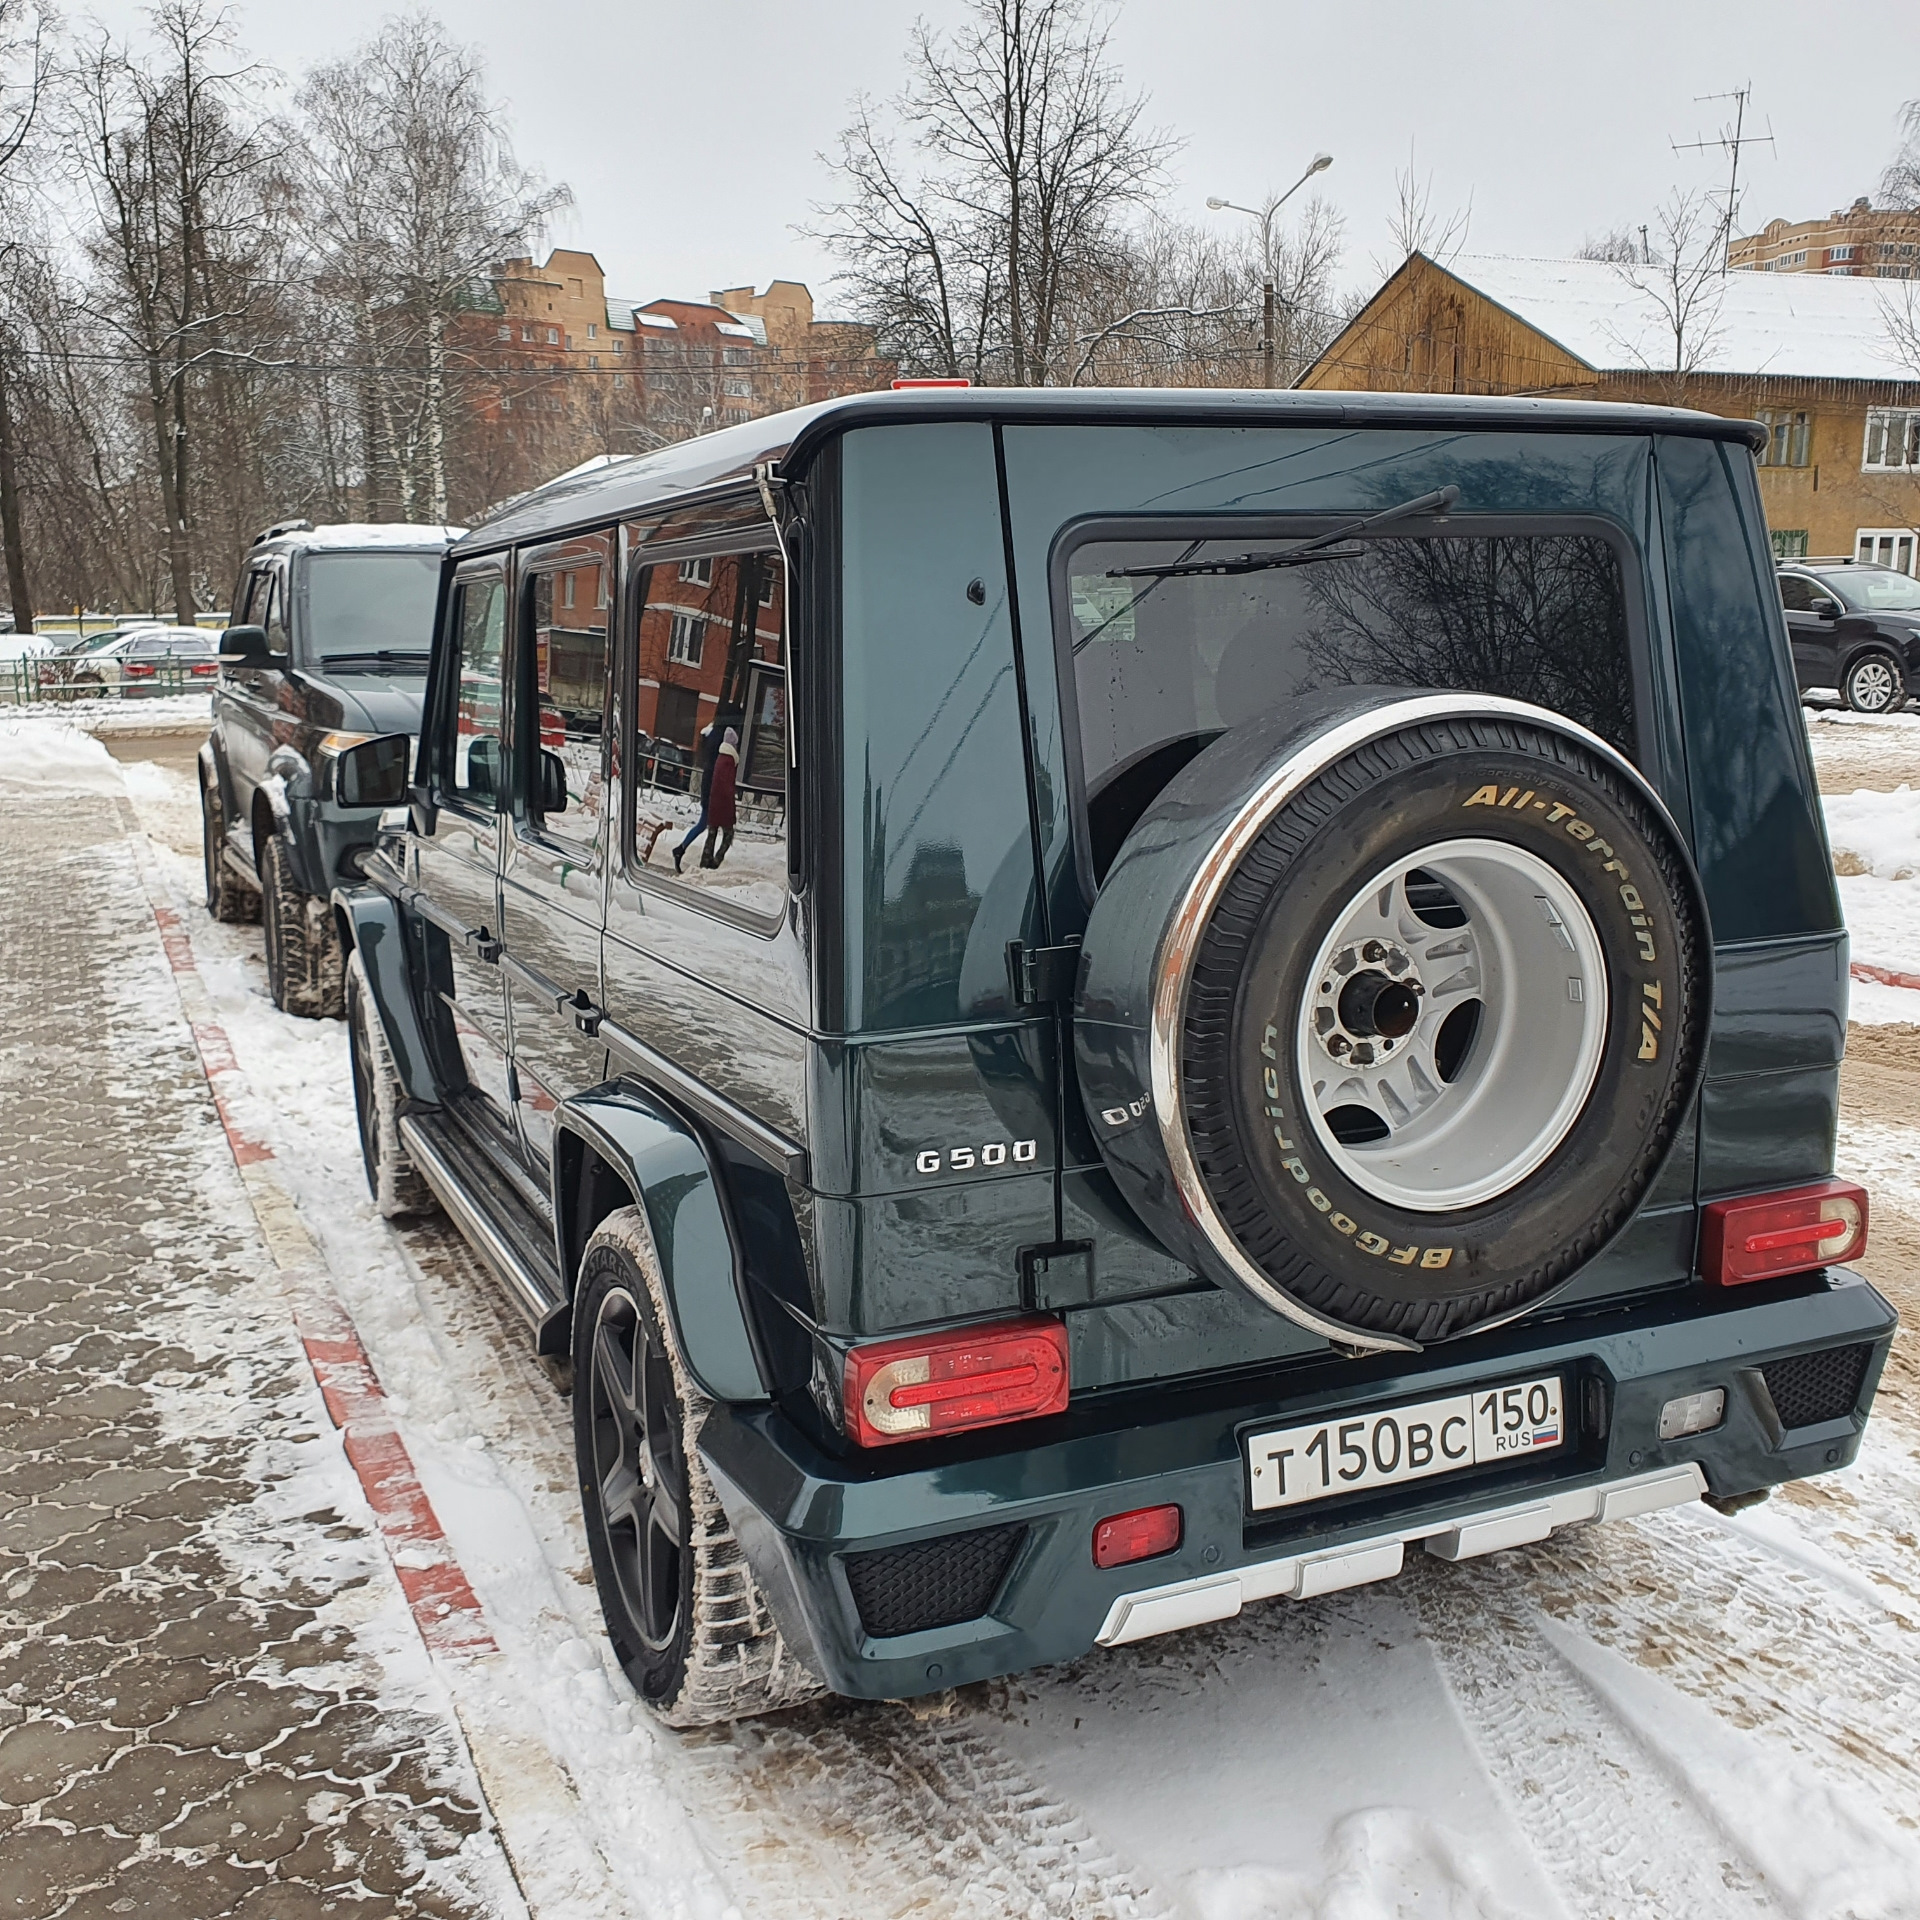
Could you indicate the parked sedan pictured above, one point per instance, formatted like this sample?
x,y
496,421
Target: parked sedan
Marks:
x,y
1855,629
144,660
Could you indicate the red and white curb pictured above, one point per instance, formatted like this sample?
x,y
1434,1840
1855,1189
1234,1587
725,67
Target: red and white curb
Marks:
x,y
444,1605
1866,970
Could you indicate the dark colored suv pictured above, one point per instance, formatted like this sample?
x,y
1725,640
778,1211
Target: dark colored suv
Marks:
x,y
328,647
1855,629
1275,999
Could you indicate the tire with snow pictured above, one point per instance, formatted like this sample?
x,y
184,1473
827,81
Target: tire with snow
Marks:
x,y
305,967
1874,683
395,1183
686,1618
229,898
1390,1011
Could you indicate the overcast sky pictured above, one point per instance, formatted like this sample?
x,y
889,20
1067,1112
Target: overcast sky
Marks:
x,y
690,132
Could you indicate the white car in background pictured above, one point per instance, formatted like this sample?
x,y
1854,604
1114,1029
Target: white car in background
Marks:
x,y
139,661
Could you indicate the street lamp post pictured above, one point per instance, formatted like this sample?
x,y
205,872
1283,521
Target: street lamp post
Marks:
x,y
1318,164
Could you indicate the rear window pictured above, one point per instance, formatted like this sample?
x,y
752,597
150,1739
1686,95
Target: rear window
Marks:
x,y
1162,663
370,609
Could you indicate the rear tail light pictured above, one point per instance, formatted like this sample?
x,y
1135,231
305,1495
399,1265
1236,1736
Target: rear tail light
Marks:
x,y
1765,1234
139,670
1143,1534
942,1383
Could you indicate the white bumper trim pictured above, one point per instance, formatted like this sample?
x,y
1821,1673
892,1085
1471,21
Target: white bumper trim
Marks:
x,y
1219,1596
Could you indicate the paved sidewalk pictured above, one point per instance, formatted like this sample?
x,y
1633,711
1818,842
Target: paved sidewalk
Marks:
x,y
213,1699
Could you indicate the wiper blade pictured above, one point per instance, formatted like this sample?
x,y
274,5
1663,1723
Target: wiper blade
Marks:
x,y
384,655
1323,546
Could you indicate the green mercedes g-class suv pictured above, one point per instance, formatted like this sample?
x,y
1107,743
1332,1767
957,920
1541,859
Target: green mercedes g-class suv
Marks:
x,y
1275,1001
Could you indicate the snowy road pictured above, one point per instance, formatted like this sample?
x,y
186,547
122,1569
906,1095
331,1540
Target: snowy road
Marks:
x,y
1683,1715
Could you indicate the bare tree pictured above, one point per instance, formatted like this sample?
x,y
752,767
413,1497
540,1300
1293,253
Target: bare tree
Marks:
x,y
1622,246
1416,225
1684,283
419,197
1025,154
25,75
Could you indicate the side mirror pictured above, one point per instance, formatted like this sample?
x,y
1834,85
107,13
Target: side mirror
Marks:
x,y
244,647
1828,610
553,783
373,774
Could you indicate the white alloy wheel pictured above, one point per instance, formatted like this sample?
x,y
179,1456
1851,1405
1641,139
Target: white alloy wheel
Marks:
x,y
1873,684
1453,1025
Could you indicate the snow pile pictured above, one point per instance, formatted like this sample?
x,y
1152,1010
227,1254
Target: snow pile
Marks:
x,y
45,760
1877,833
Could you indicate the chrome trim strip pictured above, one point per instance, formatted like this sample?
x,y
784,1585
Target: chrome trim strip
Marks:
x,y
1189,923
1219,1596
513,1273
734,1121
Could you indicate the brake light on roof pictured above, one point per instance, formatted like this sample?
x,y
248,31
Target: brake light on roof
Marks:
x,y
1143,1534
976,1376
1762,1235
901,386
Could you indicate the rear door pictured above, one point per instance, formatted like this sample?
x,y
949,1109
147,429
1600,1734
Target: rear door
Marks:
x,y
250,705
459,861
554,865
1814,664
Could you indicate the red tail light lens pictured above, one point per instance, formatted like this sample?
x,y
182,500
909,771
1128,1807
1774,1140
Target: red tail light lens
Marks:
x,y
1765,1234
1146,1532
139,670
942,1383
903,386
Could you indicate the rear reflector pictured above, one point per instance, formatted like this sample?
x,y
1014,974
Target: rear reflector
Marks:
x,y
942,1383
1766,1234
1123,1538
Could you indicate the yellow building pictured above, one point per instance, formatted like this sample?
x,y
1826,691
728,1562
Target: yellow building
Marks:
x,y
1862,240
1811,356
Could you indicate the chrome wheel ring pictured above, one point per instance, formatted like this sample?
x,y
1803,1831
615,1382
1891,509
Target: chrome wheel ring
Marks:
x,y
1453,1025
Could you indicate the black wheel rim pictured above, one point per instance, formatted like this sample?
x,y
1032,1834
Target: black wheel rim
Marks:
x,y
638,1468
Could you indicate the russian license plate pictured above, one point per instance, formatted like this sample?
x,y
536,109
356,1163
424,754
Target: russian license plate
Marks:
x,y
1292,1465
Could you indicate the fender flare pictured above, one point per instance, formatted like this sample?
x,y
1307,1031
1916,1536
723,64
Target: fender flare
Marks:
x,y
667,1168
283,805
370,925
212,768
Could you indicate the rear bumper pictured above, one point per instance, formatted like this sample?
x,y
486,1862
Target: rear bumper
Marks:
x,y
804,1517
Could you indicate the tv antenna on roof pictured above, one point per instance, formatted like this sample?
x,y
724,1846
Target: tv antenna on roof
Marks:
x,y
1729,140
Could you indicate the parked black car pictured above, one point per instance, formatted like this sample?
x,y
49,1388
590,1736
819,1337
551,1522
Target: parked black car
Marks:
x,y
1290,1012
328,647
1855,629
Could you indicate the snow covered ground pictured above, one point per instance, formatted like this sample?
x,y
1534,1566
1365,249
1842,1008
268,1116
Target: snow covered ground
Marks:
x,y
1679,1716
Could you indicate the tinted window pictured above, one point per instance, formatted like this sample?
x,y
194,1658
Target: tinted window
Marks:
x,y
270,608
1164,664
362,606
712,664
475,763
1761,850
567,623
1796,593
938,853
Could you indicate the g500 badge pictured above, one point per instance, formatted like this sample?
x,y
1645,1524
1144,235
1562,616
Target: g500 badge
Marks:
x,y
995,1153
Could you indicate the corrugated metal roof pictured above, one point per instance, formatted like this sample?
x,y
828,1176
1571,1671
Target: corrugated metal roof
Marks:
x,y
1804,326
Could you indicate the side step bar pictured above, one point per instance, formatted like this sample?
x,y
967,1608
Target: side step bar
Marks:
x,y
1305,1576
482,1208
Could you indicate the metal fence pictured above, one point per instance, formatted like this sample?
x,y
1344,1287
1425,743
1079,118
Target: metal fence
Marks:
x,y
42,678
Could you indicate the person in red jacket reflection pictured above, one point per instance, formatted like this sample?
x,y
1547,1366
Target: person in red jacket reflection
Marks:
x,y
721,783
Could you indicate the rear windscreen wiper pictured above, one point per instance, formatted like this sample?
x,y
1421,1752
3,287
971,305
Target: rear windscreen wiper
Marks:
x,y
1324,546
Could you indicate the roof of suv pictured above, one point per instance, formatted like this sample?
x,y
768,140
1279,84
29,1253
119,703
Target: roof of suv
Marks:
x,y
357,535
785,441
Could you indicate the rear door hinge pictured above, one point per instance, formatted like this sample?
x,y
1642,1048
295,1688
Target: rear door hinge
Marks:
x,y
1041,976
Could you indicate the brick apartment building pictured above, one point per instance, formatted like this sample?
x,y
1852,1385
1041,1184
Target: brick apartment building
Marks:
x,y
1811,357
1861,241
557,371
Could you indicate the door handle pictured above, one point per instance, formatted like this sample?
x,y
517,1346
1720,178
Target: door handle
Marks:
x,y
586,1016
549,992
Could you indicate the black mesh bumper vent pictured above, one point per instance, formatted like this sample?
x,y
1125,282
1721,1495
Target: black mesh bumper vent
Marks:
x,y
1812,1387
931,1583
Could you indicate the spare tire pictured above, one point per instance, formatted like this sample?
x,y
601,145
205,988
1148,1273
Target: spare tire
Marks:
x,y
1390,1010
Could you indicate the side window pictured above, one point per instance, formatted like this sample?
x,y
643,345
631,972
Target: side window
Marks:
x,y
1796,593
270,608
565,625
256,590
472,753
710,764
